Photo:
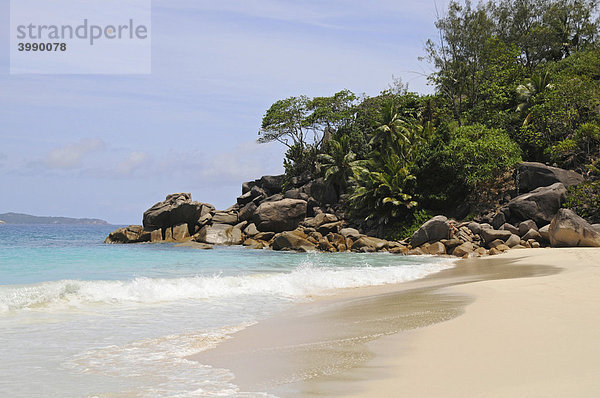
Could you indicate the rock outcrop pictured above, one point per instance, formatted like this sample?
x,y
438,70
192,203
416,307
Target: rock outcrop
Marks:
x,y
176,209
433,230
569,230
539,205
279,216
220,234
130,234
292,240
532,175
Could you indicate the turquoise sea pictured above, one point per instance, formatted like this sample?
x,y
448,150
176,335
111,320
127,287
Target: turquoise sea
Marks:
x,y
79,318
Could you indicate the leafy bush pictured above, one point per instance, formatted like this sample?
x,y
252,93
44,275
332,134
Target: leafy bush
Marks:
x,y
471,157
584,199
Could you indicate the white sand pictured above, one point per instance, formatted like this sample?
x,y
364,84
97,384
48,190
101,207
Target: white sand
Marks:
x,y
527,337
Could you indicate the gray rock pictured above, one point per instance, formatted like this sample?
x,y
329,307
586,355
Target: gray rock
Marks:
x,y
279,216
489,235
176,209
435,249
532,234
223,217
545,233
511,228
499,220
251,230
220,234
525,226
513,241
180,232
532,175
540,205
195,245
330,227
495,243
270,184
156,236
369,244
350,233
320,219
474,227
569,230
451,243
292,240
130,234
464,249
247,212
295,193
433,230
596,227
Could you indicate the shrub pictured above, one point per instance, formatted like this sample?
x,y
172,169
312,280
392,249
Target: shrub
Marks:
x,y
584,199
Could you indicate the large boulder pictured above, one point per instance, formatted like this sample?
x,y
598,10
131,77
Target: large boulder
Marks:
x,y
220,234
539,205
490,235
176,209
269,184
130,234
532,175
433,230
292,240
225,217
320,219
369,244
567,229
279,216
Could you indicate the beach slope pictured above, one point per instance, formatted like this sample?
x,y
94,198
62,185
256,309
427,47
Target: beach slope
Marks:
x,y
527,337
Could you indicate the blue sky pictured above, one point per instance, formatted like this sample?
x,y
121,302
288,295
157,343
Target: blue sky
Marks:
x,y
110,146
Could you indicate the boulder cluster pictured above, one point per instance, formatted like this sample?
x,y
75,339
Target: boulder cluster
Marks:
x,y
304,218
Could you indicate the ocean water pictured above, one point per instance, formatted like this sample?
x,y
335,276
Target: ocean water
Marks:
x,y
79,318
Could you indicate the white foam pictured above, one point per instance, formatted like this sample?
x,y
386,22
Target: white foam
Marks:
x,y
305,280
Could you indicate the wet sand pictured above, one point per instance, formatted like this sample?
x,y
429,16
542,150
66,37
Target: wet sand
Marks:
x,y
461,332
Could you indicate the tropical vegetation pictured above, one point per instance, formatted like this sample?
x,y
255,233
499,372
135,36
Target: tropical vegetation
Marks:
x,y
514,80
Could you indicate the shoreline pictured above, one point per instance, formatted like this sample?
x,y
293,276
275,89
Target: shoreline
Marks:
x,y
356,343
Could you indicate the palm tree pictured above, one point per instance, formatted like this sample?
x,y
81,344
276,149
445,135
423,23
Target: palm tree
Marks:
x,y
338,164
394,131
536,84
382,187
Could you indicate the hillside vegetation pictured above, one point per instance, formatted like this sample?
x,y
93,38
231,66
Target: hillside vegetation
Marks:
x,y
515,81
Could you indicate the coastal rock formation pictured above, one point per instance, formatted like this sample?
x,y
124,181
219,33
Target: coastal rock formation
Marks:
x,y
532,175
292,240
540,205
279,216
569,230
130,234
176,209
271,185
220,234
433,230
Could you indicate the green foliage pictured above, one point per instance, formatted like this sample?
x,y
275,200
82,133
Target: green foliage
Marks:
x,y
471,157
299,160
338,163
584,199
303,124
383,188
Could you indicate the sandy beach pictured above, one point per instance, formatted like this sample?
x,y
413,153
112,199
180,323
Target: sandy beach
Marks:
x,y
525,323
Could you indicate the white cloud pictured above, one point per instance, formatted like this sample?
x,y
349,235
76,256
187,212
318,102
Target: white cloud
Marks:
x,y
70,156
134,161
247,161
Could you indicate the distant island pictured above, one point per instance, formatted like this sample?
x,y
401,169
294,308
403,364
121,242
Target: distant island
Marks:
x,y
18,218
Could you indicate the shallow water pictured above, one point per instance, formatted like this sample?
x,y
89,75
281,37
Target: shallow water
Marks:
x,y
81,318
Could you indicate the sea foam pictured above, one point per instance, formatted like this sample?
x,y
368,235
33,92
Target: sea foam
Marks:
x,y
307,279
